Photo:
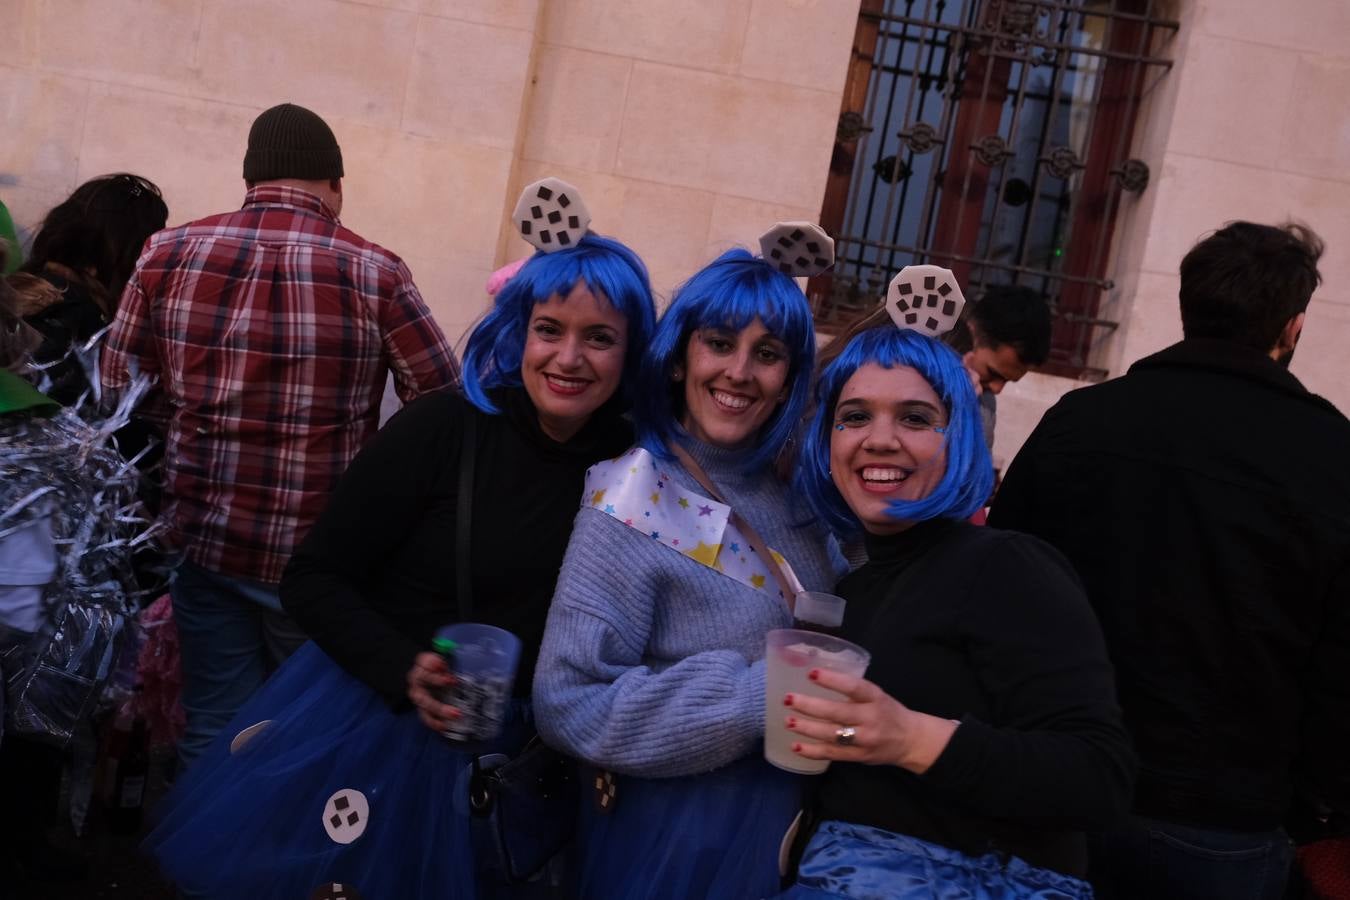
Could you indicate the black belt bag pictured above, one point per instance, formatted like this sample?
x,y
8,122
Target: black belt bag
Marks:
x,y
528,804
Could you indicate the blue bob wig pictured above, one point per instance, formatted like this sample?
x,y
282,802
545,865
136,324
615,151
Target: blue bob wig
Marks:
x,y
969,478
730,292
607,268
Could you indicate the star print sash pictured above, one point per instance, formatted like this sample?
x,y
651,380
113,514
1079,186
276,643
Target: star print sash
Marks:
x,y
636,490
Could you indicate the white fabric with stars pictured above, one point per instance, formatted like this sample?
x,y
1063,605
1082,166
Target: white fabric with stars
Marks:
x,y
637,490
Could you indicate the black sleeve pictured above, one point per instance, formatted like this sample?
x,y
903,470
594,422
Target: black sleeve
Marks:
x,y
1060,756
1323,766
1014,505
383,496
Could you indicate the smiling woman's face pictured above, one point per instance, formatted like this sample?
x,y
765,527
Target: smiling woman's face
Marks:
x,y
884,445
733,383
573,359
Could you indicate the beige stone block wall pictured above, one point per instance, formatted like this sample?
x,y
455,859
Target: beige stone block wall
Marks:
x,y
1020,407
689,127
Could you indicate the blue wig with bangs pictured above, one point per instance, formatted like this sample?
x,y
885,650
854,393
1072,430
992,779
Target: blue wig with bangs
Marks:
x,y
730,292
969,478
608,269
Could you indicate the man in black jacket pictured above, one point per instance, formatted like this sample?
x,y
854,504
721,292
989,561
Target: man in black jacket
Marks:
x,y
1204,498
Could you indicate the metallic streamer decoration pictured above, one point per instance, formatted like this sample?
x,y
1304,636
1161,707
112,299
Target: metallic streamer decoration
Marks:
x,y
61,472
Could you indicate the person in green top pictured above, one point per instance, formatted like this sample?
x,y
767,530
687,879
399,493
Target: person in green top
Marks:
x,y
9,242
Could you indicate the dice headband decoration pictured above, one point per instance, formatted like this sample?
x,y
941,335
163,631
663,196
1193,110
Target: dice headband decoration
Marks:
x,y
925,299
797,249
551,215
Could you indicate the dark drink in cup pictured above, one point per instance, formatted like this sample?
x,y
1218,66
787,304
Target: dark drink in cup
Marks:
x,y
483,659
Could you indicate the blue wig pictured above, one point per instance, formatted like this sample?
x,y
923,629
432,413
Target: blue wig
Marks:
x,y
969,478
730,292
607,268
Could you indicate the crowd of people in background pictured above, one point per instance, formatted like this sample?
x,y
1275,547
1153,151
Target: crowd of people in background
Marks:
x,y
1133,682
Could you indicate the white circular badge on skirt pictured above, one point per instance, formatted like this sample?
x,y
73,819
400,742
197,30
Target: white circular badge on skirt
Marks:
x,y
242,738
345,815
335,891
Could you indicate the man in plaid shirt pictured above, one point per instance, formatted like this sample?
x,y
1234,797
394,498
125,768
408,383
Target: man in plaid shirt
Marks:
x,y
270,331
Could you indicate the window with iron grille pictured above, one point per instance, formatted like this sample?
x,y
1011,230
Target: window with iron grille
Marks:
x,y
991,137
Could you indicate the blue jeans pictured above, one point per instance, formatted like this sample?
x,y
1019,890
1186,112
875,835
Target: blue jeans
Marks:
x,y
1148,858
844,860
232,635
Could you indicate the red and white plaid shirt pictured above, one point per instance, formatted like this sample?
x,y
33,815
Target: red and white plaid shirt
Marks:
x,y
271,330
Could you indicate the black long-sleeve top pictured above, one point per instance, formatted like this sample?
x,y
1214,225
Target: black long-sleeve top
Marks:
x,y
375,577
991,628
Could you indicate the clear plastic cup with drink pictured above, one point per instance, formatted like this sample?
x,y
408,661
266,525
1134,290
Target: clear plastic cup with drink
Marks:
x,y
790,656
483,660
818,611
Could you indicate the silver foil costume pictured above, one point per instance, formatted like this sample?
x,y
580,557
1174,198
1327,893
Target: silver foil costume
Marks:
x,y
64,469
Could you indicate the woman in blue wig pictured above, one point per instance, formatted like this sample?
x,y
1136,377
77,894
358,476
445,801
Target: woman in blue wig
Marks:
x,y
986,735
686,551
345,787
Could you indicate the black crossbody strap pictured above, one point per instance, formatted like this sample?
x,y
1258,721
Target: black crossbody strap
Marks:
x,y
468,451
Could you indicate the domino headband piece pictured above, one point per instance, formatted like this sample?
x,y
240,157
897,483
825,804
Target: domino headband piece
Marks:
x,y
551,215
925,299
797,249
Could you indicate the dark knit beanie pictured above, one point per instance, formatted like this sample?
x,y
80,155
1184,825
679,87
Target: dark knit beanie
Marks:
x,y
289,141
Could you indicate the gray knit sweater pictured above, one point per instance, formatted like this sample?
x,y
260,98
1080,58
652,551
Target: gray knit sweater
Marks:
x,y
652,663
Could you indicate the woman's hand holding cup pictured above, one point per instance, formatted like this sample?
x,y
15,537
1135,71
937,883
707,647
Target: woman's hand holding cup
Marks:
x,y
869,727
427,680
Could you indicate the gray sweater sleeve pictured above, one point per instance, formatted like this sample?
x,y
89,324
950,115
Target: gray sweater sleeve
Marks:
x,y
594,695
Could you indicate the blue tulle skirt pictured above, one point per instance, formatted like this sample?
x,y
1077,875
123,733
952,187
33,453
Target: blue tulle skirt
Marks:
x,y
861,863
713,836
337,789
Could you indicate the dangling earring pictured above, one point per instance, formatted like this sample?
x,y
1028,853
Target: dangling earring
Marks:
x,y
677,374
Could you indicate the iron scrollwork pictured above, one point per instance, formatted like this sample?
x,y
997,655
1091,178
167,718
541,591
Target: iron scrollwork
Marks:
x,y
1012,26
1133,175
851,126
921,137
1062,162
992,150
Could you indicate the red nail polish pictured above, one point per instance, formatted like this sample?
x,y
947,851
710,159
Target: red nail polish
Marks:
x,y
787,699
814,675
792,722
796,748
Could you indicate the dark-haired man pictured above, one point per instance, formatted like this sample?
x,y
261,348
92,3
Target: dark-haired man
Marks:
x,y
1204,498
273,330
999,339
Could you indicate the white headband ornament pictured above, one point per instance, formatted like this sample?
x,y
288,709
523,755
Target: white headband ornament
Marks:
x,y
797,249
925,299
551,215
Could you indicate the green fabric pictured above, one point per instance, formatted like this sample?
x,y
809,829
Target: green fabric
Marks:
x,y
17,395
11,239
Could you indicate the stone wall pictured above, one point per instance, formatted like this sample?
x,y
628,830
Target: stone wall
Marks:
x,y
689,126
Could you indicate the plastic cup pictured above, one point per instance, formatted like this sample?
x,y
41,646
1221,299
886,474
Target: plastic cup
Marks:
x,y
483,660
790,656
818,611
